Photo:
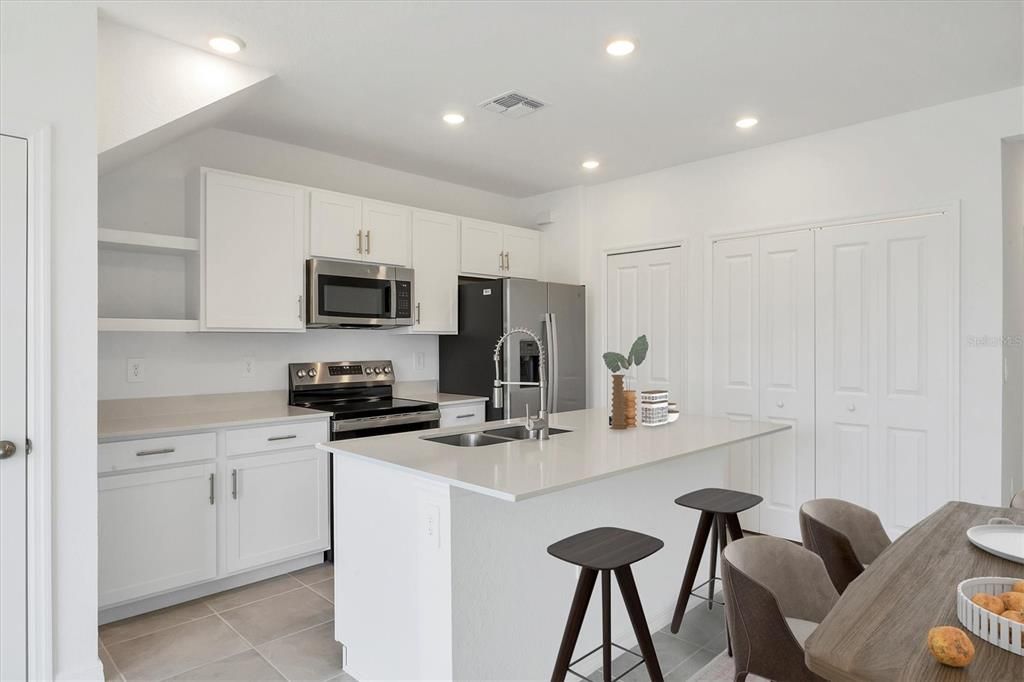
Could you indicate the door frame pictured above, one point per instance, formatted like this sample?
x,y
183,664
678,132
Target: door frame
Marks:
x,y
951,209
682,400
39,406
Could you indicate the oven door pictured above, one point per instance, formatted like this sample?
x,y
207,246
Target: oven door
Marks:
x,y
342,294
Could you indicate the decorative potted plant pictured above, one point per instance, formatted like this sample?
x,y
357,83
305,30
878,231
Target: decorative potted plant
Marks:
x,y
616,363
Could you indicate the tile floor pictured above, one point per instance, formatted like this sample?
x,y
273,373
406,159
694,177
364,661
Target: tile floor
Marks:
x,y
283,629
700,639
277,629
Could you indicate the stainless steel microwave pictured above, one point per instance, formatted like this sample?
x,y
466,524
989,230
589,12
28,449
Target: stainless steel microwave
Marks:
x,y
348,295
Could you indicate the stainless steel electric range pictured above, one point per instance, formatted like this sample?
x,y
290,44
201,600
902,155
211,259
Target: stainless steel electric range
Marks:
x,y
360,398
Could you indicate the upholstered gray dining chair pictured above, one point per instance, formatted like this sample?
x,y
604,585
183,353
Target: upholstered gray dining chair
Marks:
x,y
846,537
1017,501
776,594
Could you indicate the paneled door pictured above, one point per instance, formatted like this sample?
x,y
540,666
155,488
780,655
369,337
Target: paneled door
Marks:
x,y
762,359
884,303
13,384
785,469
644,294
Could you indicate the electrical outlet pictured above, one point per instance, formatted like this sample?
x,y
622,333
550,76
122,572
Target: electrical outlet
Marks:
x,y
136,370
421,360
248,367
431,525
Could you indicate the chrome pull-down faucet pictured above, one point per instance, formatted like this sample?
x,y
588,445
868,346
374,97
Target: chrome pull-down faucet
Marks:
x,y
536,425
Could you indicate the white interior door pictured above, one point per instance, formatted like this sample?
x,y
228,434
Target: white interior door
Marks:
x,y
785,470
13,436
734,355
645,297
884,328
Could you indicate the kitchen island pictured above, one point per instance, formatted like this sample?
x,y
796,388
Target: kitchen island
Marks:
x,y
441,569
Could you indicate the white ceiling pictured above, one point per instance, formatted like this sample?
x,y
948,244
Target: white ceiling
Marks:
x,y
370,80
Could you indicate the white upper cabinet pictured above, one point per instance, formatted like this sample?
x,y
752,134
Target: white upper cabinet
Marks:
x,y
335,225
352,228
435,258
252,252
386,233
482,248
499,250
522,252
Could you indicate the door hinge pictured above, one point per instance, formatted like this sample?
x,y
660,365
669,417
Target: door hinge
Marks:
x,y
28,446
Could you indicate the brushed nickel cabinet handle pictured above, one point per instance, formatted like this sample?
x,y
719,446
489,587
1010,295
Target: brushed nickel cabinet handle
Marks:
x,y
159,451
211,489
417,313
300,307
501,260
273,438
367,242
359,242
465,416
508,262
234,484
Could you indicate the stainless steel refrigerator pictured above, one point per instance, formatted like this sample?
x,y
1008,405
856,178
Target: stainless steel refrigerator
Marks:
x,y
487,309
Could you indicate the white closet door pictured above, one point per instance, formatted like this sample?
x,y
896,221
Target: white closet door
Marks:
x,y
884,325
785,471
734,355
645,297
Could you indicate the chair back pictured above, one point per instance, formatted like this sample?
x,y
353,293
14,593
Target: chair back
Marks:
x,y
846,537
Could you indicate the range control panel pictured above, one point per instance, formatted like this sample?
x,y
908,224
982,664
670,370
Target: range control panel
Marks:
x,y
327,373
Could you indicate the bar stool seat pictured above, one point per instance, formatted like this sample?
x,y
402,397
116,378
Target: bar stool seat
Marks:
x,y
719,509
605,551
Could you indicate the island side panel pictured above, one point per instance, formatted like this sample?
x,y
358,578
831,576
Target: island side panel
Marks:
x,y
510,598
392,570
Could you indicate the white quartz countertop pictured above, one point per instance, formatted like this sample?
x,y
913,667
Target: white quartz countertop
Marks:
x,y
142,417
518,470
441,399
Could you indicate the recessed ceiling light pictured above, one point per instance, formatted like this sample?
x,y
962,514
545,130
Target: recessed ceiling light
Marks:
x,y
591,164
453,119
226,44
620,48
746,123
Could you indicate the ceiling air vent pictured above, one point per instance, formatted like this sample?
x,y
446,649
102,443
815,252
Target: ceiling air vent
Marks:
x,y
512,104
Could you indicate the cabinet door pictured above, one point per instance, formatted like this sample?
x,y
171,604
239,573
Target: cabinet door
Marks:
x,y
275,507
335,225
387,233
435,258
481,248
522,252
158,531
252,254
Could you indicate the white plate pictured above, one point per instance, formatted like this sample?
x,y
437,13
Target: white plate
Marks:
x,y
1002,540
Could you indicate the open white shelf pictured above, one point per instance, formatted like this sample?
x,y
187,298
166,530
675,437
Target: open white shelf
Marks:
x,y
127,324
147,242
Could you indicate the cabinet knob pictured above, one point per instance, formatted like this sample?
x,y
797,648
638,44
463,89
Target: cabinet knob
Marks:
x,y
7,449
780,404
851,407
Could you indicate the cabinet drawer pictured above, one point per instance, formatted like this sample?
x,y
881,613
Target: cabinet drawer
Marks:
x,y
148,452
462,415
276,437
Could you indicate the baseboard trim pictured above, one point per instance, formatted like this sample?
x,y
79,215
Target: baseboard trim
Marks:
x,y
110,614
93,672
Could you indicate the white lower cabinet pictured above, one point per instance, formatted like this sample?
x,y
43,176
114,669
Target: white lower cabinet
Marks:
x,y
157,531
275,507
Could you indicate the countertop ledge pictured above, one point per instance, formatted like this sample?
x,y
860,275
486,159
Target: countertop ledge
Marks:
x,y
442,399
518,470
143,417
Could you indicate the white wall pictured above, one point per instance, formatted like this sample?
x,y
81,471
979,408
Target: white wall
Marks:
x,y
1013,316
914,160
48,76
149,195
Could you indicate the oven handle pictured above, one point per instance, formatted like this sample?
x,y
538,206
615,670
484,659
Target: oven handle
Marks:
x,y
343,425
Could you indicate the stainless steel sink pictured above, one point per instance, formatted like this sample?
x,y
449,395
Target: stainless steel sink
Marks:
x,y
468,440
477,439
519,432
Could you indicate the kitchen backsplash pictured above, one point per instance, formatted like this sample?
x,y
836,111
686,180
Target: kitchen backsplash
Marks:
x,y
187,364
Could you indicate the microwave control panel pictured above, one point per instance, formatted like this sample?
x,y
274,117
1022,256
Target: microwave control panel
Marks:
x,y
403,297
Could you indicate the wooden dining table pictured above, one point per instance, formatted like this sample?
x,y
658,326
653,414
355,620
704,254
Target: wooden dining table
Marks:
x,y
879,627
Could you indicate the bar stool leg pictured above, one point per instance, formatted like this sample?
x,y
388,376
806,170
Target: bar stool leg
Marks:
x,y
606,624
578,610
627,586
723,541
733,522
717,531
696,554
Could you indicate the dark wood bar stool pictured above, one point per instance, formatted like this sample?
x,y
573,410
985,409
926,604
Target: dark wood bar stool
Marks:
x,y
605,550
719,511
